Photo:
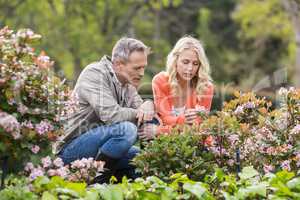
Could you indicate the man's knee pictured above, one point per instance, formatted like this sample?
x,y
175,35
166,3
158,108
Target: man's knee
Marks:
x,y
130,130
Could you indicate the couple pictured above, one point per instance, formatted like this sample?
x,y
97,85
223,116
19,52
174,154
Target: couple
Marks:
x,y
111,115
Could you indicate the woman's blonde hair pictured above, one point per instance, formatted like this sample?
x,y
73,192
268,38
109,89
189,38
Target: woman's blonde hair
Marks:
x,y
203,78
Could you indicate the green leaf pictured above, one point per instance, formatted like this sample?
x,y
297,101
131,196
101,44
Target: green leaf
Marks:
x,y
248,172
111,192
145,195
253,190
196,189
48,196
66,191
294,183
78,187
92,195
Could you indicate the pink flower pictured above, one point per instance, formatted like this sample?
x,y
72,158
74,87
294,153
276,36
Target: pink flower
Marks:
x,y
233,139
62,172
10,124
51,172
295,130
230,162
46,162
22,109
29,166
58,162
36,172
268,168
43,127
35,149
77,164
27,124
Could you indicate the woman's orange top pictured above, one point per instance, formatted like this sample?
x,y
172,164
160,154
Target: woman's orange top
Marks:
x,y
163,100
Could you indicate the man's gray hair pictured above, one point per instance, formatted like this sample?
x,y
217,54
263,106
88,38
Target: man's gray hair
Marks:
x,y
125,46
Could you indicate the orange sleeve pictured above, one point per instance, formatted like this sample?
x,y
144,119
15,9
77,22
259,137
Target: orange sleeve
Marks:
x,y
206,98
162,96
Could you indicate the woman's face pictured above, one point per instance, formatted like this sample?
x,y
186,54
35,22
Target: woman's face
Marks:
x,y
187,65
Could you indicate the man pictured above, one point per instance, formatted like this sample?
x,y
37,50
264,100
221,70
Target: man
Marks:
x,y
110,110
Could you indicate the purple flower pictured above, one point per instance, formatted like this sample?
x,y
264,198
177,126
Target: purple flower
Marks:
x,y
249,105
286,165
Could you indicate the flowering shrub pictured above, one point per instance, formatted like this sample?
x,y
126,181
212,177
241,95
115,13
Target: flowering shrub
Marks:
x,y
77,171
31,98
265,138
246,129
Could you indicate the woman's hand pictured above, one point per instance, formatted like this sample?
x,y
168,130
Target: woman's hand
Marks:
x,y
148,131
190,115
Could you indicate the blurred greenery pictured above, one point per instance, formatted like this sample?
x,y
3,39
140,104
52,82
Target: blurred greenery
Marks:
x,y
251,45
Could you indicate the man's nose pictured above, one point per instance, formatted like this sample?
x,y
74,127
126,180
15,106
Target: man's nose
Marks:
x,y
142,72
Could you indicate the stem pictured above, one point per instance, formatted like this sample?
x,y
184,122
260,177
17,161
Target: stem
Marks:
x,y
4,171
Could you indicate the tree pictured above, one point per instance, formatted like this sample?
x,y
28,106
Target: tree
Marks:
x,y
292,7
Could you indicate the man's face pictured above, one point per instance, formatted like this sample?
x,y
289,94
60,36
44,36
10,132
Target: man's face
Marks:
x,y
133,71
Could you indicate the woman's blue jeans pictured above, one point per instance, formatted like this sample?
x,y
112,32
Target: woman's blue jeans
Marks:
x,y
115,141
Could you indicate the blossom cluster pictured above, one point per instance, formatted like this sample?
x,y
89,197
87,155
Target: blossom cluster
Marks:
x,y
79,170
265,138
32,97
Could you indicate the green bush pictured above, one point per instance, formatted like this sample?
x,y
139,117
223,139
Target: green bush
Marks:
x,y
167,155
248,184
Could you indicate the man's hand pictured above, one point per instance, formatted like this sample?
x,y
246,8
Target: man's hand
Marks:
x,y
148,131
145,112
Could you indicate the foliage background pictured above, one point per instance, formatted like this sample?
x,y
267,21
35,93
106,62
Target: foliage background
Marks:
x,y
251,45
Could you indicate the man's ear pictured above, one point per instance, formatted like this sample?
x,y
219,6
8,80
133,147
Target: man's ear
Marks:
x,y
118,64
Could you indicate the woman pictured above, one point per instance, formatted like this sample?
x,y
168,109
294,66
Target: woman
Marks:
x,y
185,88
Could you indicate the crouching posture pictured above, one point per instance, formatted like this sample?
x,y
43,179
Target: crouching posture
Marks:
x,y
109,109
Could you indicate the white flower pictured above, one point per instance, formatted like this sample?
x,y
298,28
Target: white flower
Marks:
x,y
239,110
283,91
